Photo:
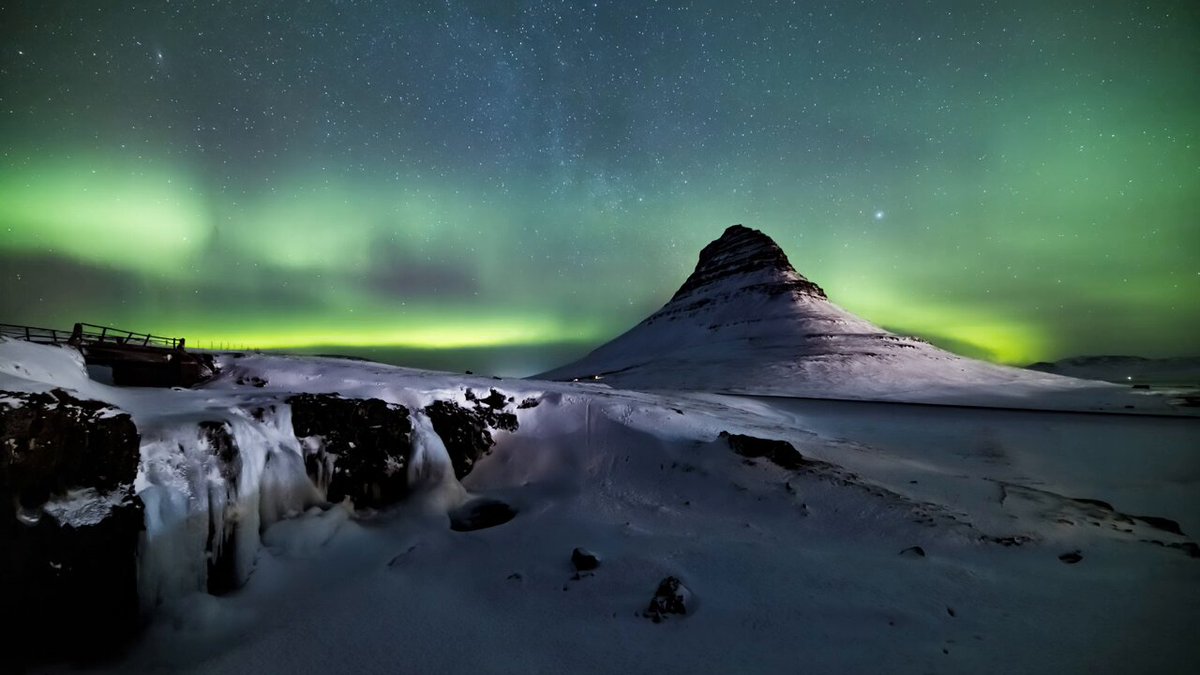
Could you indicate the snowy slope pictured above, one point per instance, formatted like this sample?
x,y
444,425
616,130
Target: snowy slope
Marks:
x,y
746,322
807,569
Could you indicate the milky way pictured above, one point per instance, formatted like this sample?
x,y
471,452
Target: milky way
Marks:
x,y
1012,180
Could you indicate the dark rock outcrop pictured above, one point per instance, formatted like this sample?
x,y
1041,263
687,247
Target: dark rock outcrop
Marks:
x,y
251,381
1189,547
69,527
494,400
1160,523
467,432
53,441
464,432
672,597
782,453
364,447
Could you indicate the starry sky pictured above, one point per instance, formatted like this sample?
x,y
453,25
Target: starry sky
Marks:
x,y
503,185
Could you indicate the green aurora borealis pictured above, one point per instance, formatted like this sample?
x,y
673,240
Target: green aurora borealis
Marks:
x,y
1012,180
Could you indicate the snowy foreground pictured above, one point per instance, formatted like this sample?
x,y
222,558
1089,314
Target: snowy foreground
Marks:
x,y
912,539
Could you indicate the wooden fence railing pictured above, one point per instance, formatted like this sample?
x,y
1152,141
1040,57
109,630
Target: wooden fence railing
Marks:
x,y
89,334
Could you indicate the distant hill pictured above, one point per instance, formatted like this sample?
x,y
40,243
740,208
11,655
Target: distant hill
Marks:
x,y
1127,369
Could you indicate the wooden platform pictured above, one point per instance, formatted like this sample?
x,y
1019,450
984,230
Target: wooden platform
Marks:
x,y
136,359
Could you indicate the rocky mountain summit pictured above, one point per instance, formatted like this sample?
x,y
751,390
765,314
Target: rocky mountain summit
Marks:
x,y
748,261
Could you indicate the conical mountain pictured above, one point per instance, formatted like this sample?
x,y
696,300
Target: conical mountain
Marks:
x,y
747,322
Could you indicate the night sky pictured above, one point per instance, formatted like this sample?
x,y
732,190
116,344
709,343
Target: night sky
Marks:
x,y
516,181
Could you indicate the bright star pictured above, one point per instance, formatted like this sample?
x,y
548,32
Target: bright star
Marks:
x,y
879,215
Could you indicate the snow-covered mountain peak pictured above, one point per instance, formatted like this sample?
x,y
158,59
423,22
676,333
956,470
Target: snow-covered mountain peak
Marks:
x,y
745,259
746,321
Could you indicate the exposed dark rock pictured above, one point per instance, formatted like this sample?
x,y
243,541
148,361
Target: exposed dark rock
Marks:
x,y
466,432
220,437
480,514
364,449
68,560
1094,502
530,402
1164,524
77,583
913,552
1071,558
221,545
584,560
494,400
1012,540
1082,509
740,251
51,442
672,597
251,380
781,453
1189,547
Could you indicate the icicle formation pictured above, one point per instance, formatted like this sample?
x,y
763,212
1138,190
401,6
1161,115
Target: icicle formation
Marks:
x,y
431,472
210,487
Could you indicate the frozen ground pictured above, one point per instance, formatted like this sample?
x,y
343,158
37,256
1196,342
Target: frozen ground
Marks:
x,y
791,570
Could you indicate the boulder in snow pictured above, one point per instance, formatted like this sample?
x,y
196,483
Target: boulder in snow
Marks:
x,y
584,560
672,597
